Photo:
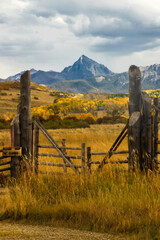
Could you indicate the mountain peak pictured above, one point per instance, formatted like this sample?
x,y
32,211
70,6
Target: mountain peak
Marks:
x,y
84,67
84,58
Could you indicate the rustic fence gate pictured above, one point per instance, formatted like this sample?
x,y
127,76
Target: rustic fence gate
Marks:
x,y
61,150
141,129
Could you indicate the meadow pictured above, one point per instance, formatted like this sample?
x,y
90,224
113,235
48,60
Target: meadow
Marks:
x,y
112,200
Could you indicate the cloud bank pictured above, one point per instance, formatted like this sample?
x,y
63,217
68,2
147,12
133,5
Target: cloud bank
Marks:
x,y
52,34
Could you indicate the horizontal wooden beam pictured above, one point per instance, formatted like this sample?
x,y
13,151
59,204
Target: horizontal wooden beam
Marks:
x,y
5,163
112,162
5,169
57,155
114,152
61,147
3,157
57,164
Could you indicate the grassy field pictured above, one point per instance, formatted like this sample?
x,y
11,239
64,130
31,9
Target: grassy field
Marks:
x,y
110,201
10,96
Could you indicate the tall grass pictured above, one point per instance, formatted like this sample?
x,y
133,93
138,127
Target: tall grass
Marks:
x,y
112,200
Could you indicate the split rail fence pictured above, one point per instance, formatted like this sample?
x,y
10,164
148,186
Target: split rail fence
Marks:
x,y
141,130
61,152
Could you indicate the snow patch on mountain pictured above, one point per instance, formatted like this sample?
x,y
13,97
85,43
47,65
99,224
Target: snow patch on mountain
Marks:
x,y
100,79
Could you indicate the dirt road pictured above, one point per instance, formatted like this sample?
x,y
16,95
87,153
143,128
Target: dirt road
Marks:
x,y
18,231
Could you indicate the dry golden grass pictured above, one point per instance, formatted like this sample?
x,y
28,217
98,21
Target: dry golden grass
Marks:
x,y
112,200
10,96
99,137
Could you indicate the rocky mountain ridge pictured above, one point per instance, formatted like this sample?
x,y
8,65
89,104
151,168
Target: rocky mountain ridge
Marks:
x,y
86,75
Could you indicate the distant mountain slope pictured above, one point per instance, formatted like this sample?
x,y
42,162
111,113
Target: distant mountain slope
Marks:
x,y
18,75
150,77
111,83
83,68
41,77
86,75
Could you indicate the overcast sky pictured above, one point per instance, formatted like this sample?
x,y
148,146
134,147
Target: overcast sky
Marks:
x,y
53,34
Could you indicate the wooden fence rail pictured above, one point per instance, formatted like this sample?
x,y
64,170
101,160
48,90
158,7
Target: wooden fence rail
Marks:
x,y
60,147
61,152
97,162
5,169
53,164
5,163
57,164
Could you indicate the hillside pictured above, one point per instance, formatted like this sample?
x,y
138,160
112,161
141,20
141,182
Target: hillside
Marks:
x,y
10,95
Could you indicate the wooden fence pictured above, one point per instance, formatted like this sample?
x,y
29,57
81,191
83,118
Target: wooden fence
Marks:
x,y
141,130
68,160
5,163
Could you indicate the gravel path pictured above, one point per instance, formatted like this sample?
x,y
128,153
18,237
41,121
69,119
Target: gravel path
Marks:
x,y
19,231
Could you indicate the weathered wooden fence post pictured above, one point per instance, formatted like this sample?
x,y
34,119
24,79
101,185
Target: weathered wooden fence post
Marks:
x,y
15,142
83,158
156,133
25,116
89,158
135,111
146,133
36,142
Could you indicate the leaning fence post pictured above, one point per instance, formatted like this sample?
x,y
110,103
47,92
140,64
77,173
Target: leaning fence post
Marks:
x,y
134,131
155,133
36,142
89,158
83,158
65,152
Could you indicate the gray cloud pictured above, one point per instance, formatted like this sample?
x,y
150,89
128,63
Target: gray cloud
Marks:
x,y
54,28
138,30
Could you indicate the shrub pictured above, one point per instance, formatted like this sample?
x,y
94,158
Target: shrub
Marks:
x,y
111,120
65,123
4,124
72,118
54,117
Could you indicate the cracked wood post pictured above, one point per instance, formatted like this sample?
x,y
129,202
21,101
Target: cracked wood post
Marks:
x,y
135,105
15,142
146,133
156,133
36,142
25,117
